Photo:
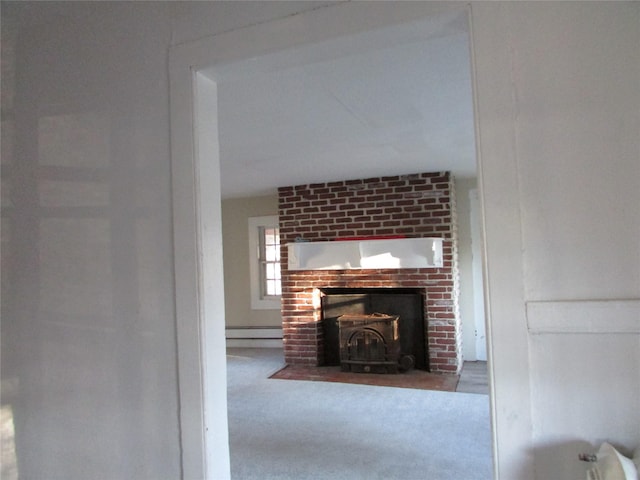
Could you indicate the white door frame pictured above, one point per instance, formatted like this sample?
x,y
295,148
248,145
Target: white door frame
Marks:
x,y
197,224
198,239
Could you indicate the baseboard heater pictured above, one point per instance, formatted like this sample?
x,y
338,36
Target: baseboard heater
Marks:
x,y
254,337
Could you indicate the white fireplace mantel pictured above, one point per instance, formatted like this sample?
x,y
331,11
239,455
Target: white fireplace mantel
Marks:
x,y
366,254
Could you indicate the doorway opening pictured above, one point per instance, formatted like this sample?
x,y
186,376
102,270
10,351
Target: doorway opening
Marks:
x,y
212,179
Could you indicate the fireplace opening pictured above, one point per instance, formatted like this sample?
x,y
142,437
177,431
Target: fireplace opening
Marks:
x,y
350,308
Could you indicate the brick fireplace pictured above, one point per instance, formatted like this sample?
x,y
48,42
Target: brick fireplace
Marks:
x,y
416,205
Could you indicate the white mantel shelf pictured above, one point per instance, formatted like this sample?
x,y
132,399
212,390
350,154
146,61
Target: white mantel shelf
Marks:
x,y
392,253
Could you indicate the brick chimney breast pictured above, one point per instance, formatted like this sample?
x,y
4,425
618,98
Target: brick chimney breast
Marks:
x,y
415,205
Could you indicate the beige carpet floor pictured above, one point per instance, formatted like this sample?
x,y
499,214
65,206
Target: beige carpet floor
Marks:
x,y
316,430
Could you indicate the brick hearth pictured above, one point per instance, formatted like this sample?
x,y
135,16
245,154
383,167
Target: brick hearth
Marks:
x,y
418,205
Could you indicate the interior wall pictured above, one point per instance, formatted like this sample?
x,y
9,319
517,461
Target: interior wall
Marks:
x,y
237,295
89,378
559,150
565,230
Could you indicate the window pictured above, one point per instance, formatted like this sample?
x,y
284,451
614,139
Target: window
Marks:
x,y
269,257
264,257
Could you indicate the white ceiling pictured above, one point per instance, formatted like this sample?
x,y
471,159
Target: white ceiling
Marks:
x,y
388,102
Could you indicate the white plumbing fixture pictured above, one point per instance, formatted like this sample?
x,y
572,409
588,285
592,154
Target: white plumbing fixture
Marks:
x,y
610,464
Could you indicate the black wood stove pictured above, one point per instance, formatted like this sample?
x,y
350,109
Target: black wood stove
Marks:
x,y
369,343
361,340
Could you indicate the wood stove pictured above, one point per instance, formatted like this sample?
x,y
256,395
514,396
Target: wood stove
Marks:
x,y
369,343
405,305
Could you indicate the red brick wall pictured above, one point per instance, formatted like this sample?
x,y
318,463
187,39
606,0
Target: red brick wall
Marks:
x,y
419,205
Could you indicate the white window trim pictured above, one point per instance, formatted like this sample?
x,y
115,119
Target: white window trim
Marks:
x,y
258,303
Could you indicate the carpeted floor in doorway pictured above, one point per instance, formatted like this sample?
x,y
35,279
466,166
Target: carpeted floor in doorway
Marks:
x,y
306,430
417,379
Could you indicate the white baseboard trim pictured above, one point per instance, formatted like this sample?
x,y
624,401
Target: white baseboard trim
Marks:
x,y
254,337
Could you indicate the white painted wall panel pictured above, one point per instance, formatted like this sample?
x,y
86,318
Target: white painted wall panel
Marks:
x,y
585,390
577,133
560,112
89,376
578,127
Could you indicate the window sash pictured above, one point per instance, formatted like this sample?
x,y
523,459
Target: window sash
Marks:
x,y
264,262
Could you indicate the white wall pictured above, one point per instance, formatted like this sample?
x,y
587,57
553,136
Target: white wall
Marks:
x,y
558,122
88,332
